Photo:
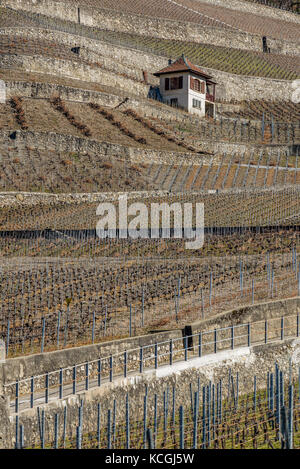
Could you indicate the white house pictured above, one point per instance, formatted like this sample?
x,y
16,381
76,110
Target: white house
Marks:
x,y
183,84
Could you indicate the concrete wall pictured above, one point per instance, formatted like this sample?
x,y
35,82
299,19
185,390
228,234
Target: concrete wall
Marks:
x,y
23,367
41,90
157,27
237,87
247,362
273,312
245,314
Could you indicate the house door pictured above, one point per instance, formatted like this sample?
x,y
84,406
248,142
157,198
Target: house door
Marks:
x,y
209,109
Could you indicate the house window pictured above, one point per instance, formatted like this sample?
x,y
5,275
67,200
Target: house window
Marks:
x,y
197,103
197,85
176,83
174,102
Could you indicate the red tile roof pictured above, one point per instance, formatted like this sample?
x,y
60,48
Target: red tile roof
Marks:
x,y
182,65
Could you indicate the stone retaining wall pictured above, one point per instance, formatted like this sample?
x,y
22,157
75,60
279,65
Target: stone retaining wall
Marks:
x,y
32,198
70,143
74,70
116,58
247,362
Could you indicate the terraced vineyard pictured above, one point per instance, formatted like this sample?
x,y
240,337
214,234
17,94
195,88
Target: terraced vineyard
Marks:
x,y
21,46
78,128
230,60
229,174
248,421
33,78
233,130
259,208
288,5
136,296
221,58
46,171
92,171
236,208
108,125
18,45
202,13
259,108
76,244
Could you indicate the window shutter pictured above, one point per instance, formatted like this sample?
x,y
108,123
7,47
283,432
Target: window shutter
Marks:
x,y
203,87
167,84
191,83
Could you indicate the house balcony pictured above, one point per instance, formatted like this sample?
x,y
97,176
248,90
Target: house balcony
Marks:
x,y
210,97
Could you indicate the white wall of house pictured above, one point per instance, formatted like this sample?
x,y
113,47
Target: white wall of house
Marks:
x,y
197,98
181,95
191,100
